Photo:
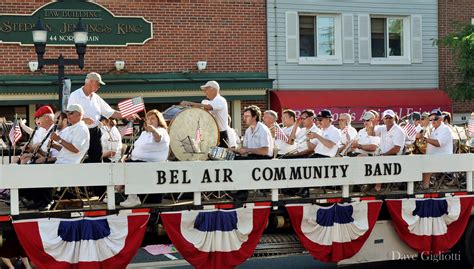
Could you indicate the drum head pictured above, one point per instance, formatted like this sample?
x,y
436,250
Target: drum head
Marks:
x,y
193,132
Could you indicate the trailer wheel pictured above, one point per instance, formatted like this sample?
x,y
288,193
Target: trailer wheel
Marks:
x,y
469,242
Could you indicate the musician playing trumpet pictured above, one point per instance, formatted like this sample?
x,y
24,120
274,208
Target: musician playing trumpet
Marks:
x,y
304,148
348,132
327,143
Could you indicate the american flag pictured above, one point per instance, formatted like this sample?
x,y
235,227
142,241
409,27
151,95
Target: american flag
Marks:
x,y
280,135
410,130
470,127
15,133
130,106
127,129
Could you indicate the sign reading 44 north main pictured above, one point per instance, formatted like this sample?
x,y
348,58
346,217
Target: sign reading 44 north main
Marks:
x,y
60,18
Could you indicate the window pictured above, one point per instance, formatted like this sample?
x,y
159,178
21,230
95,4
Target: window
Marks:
x,y
319,39
389,37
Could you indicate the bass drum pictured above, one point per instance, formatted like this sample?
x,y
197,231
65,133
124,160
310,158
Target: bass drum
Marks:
x,y
193,131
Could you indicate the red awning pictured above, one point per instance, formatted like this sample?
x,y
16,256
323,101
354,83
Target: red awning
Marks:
x,y
355,102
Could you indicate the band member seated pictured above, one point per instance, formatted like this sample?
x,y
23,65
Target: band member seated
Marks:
x,y
234,138
152,146
425,123
111,141
328,141
392,140
287,145
257,139
439,142
217,106
270,118
39,142
73,142
366,143
303,148
348,133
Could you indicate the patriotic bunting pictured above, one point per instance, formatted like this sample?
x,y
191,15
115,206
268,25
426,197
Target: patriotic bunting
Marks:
x,y
430,225
335,232
89,243
216,238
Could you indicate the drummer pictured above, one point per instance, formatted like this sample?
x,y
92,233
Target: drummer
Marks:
x,y
217,106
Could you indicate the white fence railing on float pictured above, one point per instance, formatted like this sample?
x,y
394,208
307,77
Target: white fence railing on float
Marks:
x,y
199,176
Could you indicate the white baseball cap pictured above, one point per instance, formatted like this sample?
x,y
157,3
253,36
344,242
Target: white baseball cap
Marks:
x,y
75,107
388,112
212,84
95,76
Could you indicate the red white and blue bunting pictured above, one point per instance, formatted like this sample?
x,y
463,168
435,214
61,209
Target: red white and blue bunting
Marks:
x,y
216,238
430,225
336,232
99,242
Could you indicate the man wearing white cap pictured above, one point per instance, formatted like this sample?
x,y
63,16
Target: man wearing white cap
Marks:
x,y
74,143
392,139
94,107
217,106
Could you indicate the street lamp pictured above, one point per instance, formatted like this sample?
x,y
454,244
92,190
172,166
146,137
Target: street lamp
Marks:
x,y
40,36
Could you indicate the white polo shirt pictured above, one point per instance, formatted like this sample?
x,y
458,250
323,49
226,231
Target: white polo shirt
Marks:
x,y
44,147
219,111
38,136
147,149
330,133
94,106
258,138
365,139
78,135
283,147
111,140
388,139
445,139
348,134
302,139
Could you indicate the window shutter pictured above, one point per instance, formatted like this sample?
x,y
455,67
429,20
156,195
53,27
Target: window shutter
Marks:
x,y
292,46
364,38
348,38
416,39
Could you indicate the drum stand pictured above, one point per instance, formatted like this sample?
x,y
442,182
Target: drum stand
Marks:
x,y
216,195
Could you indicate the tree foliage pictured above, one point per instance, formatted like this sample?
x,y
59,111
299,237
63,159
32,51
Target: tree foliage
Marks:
x,y
460,86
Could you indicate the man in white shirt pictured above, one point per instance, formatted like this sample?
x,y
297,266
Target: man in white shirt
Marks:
x,y
304,148
328,141
257,139
217,106
291,130
348,133
94,107
392,140
439,142
270,118
74,143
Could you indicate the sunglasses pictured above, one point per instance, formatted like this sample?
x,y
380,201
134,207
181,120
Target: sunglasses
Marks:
x,y
388,118
434,119
367,120
70,112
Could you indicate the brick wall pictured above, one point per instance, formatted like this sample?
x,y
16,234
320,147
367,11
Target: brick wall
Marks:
x,y
451,12
229,35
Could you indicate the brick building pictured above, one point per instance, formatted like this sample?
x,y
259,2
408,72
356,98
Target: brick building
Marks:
x,y
451,13
229,35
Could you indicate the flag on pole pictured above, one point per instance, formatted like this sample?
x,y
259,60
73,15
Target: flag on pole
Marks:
x,y
280,135
127,129
410,130
198,136
15,133
130,106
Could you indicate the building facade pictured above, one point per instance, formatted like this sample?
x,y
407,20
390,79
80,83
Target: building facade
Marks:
x,y
354,55
452,16
230,36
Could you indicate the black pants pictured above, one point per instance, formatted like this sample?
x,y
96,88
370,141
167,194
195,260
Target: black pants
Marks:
x,y
223,139
94,154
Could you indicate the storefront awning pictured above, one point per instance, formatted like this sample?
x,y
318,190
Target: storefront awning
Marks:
x,y
355,102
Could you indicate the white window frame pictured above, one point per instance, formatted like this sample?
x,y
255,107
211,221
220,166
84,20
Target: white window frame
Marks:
x,y
335,59
396,60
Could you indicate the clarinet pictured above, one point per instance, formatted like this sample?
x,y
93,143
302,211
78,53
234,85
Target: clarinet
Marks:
x,y
29,141
51,142
35,153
